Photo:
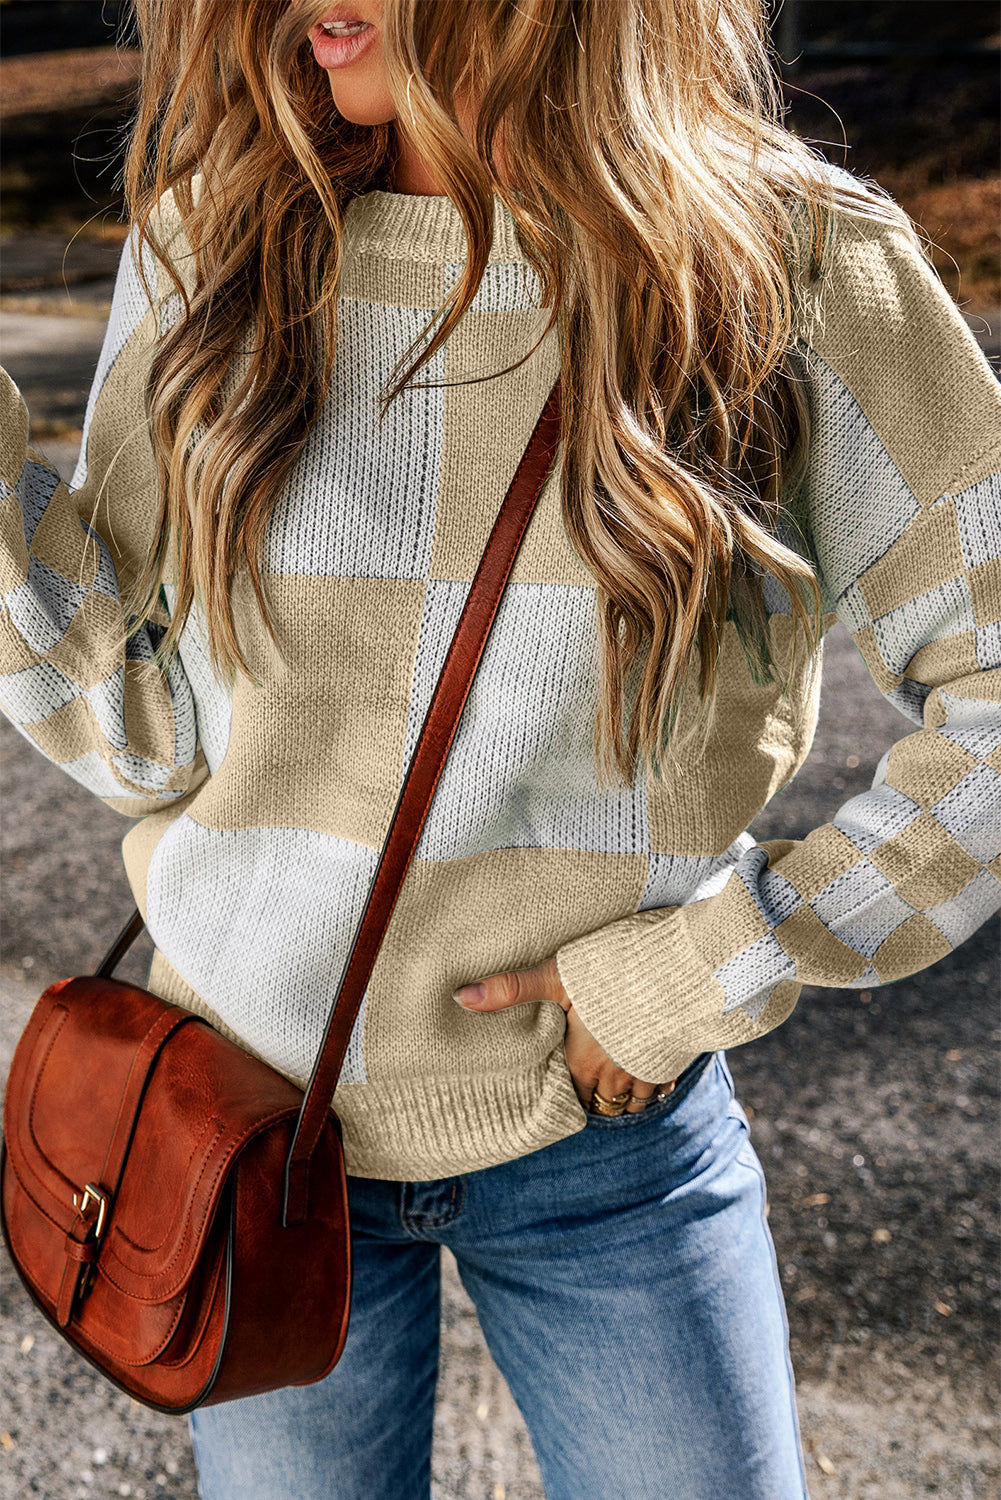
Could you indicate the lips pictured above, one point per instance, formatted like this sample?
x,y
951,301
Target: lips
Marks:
x,y
338,49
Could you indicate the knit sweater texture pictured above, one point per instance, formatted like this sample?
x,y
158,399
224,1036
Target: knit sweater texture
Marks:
x,y
260,811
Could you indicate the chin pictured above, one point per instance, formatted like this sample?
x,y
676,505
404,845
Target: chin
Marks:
x,y
361,111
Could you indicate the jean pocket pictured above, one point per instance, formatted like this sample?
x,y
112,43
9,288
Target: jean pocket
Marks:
x,y
746,1154
629,1119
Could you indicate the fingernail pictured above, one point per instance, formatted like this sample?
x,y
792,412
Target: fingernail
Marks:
x,y
468,992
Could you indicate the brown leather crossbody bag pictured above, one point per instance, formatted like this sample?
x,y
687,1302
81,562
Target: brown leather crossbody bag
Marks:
x,y
176,1208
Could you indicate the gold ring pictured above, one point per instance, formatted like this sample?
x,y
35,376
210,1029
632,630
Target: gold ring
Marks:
x,y
614,1106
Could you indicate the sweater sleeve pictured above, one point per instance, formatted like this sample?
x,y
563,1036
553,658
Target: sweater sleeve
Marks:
x,y
96,706
902,501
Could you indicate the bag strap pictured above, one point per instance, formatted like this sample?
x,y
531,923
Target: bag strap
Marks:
x,y
410,813
427,761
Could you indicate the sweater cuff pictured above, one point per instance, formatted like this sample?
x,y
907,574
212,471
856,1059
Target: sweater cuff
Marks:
x,y
643,993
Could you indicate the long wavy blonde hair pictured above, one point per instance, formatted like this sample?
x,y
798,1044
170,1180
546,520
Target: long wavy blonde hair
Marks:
x,y
660,200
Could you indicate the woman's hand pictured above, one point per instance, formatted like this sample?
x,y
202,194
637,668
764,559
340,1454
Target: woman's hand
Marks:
x,y
590,1066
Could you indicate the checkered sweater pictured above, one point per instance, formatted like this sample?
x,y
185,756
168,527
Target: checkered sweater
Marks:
x,y
260,812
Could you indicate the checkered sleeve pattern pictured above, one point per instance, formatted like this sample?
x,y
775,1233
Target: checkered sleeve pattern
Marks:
x,y
97,706
903,505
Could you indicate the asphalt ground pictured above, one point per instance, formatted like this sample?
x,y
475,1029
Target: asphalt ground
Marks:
x,y
875,1116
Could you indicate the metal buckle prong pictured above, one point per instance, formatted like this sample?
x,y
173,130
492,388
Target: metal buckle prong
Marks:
x,y
93,1194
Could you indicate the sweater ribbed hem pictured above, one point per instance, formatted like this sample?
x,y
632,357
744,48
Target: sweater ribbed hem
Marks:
x,y
423,1128
415,226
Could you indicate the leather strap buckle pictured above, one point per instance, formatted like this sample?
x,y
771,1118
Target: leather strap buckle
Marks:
x,y
92,1194
81,1254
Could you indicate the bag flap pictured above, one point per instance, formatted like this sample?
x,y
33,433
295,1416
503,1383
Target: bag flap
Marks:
x,y
204,1098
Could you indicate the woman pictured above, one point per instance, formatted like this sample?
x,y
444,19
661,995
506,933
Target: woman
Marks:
x,y
229,625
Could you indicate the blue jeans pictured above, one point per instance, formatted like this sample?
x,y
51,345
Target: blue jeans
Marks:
x,y
626,1284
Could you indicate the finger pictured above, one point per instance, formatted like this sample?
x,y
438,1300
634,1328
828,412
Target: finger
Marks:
x,y
642,1094
613,1081
515,987
599,1076
591,1068
496,992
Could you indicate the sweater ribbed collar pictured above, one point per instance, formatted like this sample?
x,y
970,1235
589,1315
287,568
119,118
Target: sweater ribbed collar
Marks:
x,y
412,226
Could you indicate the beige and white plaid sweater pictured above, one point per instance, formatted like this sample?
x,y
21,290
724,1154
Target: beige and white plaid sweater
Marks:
x,y
261,812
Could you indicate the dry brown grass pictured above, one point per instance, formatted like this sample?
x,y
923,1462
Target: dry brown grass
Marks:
x,y
963,222
46,81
